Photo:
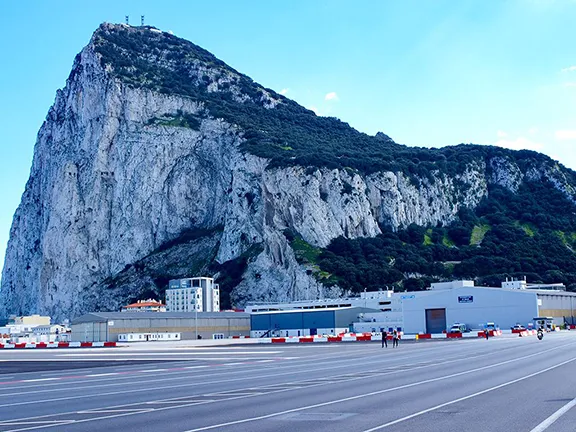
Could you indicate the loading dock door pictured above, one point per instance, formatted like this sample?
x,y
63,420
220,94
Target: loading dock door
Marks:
x,y
435,320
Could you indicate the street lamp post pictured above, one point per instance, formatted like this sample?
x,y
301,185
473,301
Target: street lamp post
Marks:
x,y
196,312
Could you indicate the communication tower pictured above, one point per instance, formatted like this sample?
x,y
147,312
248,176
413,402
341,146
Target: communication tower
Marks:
x,y
142,20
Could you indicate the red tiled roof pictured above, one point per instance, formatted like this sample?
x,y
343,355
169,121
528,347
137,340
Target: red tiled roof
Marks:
x,y
144,304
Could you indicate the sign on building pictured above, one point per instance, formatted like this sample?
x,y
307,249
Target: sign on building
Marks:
x,y
465,299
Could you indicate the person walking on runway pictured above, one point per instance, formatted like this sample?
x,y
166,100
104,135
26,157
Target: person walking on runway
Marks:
x,y
395,337
384,338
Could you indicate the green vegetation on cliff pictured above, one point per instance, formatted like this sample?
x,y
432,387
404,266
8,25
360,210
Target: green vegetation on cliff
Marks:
x,y
529,233
496,241
287,133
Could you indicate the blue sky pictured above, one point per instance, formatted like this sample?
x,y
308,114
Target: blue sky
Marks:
x,y
427,73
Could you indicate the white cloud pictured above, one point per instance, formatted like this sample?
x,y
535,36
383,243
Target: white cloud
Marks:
x,y
501,134
519,143
533,130
313,108
284,91
331,96
570,84
569,69
565,135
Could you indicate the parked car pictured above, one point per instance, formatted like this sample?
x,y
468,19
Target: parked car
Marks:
x,y
491,326
459,328
518,327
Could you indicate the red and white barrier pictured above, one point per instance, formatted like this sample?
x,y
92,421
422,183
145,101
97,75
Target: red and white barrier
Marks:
x,y
453,335
40,345
490,333
527,333
375,337
364,337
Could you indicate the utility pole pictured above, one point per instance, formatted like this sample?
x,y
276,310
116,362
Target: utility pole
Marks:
x,y
127,20
142,20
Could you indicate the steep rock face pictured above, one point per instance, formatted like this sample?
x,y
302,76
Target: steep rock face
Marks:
x,y
120,170
106,188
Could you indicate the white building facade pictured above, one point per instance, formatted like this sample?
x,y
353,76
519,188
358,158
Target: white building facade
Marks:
x,y
198,294
445,303
382,309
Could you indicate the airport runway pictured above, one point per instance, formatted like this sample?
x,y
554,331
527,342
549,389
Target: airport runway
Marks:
x,y
504,384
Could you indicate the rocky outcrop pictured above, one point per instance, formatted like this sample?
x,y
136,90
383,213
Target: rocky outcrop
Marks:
x,y
120,171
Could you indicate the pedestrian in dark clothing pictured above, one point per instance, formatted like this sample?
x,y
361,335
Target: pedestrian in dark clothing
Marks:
x,y
384,339
395,337
486,333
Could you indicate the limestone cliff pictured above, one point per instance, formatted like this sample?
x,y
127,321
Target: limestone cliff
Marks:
x,y
123,168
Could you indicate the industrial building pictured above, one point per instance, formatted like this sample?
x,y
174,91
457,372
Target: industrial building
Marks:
x,y
107,326
436,310
443,304
199,294
308,322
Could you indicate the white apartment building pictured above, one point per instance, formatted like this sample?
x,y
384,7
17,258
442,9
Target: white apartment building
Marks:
x,y
198,294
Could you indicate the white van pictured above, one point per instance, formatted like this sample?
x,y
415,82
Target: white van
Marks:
x,y
491,326
459,328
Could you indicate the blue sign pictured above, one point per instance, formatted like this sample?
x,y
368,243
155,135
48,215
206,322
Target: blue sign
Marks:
x,y
404,297
465,299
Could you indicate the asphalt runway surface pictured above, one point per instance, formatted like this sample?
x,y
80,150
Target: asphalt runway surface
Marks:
x,y
509,384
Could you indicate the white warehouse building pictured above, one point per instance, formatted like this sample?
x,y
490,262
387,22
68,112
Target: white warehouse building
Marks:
x,y
446,303
198,294
434,311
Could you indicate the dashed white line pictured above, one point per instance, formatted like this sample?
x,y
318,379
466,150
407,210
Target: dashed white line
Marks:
x,y
175,354
40,379
103,374
75,372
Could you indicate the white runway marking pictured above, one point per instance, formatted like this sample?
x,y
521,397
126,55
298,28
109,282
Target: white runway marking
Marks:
x,y
275,374
550,420
452,402
103,374
361,396
75,372
39,379
200,399
186,353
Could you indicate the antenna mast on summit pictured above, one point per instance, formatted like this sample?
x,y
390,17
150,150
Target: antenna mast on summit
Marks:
x,y
142,20
127,20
